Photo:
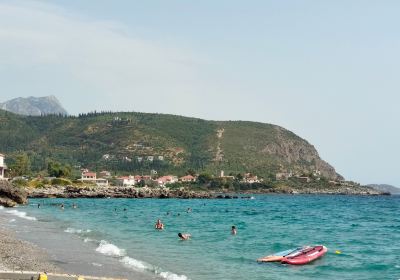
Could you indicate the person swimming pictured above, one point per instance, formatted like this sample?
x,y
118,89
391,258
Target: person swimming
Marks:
x,y
233,230
184,236
74,205
62,206
159,225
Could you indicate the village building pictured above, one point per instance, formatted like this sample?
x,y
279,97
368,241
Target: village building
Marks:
x,y
3,167
139,178
104,174
250,178
150,158
222,175
164,180
126,181
88,176
187,178
91,177
283,176
304,179
101,182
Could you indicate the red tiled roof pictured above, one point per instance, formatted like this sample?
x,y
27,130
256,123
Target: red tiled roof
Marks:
x,y
187,177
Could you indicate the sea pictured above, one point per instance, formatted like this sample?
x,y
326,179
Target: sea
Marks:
x,y
116,237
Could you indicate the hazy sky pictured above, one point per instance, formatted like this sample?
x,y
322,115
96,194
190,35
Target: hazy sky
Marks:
x,y
327,70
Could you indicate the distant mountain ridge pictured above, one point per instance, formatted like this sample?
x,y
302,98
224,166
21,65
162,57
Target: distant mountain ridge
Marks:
x,y
385,188
34,106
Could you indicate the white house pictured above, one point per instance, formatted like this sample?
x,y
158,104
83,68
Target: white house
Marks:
x,y
126,181
88,177
2,167
187,178
164,180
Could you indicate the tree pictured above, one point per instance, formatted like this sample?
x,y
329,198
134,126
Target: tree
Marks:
x,y
239,177
56,169
190,172
204,178
21,165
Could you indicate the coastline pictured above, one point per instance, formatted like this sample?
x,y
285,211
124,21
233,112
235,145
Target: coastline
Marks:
x,y
183,193
20,255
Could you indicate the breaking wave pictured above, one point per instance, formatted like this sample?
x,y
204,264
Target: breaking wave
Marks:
x,y
21,214
112,250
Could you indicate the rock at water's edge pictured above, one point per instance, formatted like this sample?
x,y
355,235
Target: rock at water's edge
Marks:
x,y
11,195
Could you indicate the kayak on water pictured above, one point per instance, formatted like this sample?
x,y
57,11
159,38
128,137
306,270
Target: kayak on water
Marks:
x,y
305,256
277,257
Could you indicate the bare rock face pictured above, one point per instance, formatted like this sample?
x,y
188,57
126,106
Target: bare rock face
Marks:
x,y
295,150
34,106
11,195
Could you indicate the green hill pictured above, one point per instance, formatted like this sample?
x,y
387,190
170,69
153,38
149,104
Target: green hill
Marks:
x,y
139,142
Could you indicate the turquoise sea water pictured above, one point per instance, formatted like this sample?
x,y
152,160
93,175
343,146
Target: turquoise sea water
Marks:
x,y
365,229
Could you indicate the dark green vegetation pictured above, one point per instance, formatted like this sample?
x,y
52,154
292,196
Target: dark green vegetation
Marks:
x,y
139,142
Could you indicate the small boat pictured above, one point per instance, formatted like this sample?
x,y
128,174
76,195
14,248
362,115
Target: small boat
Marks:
x,y
305,256
277,257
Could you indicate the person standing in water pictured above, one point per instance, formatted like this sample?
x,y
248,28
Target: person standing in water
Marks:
x,y
233,230
159,225
184,236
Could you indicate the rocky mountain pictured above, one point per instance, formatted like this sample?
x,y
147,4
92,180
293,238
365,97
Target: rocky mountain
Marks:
x,y
141,142
34,106
385,188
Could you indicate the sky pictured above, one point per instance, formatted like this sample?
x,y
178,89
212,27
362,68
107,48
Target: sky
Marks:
x,y
326,70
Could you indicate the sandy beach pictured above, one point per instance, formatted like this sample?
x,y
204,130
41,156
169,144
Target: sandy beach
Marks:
x,y
20,255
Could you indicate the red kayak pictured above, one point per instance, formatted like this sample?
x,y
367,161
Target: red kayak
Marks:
x,y
306,256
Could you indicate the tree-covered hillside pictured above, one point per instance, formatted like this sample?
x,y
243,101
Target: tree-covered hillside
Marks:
x,y
139,142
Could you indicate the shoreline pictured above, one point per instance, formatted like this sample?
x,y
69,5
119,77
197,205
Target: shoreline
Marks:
x,y
39,245
20,255
183,193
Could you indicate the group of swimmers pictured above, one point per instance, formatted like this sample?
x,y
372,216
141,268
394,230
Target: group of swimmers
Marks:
x,y
62,207
186,236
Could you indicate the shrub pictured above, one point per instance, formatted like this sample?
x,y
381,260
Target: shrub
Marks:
x,y
60,182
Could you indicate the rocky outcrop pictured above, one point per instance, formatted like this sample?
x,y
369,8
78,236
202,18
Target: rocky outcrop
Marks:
x,y
183,193
117,192
294,152
11,195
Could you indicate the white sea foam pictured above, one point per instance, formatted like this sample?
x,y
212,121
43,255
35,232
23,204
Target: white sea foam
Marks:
x,y
73,230
21,214
1,207
109,249
135,264
142,266
86,240
97,264
12,221
172,276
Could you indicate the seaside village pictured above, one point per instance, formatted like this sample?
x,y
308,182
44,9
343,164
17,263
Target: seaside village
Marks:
x,y
102,178
105,178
